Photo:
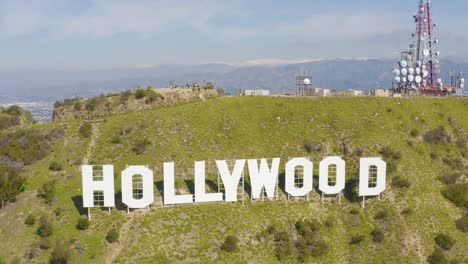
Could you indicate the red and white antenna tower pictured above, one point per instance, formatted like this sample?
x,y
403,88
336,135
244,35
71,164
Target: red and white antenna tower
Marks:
x,y
419,69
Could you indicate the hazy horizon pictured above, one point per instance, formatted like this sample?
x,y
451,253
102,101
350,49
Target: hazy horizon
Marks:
x,y
66,35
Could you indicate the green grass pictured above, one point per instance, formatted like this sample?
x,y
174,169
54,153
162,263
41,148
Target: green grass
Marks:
x,y
254,127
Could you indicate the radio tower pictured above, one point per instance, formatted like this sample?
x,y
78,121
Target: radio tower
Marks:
x,y
419,69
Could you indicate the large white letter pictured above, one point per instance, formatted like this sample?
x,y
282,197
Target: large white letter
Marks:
x,y
200,195
169,189
146,184
230,181
104,182
376,166
263,177
324,174
308,176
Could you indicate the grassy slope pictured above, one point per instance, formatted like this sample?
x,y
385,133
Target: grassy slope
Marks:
x,y
253,128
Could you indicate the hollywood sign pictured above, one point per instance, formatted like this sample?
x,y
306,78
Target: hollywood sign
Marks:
x,y
263,180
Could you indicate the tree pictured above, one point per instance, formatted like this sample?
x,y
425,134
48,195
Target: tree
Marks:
x,y
48,191
86,130
11,184
444,241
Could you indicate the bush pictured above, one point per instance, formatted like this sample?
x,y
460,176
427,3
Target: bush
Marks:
x,y
458,194
83,223
415,133
450,179
77,106
47,191
124,96
407,211
312,146
444,241
377,235
30,220
330,221
381,215
307,229
45,227
11,183
437,136
2,261
55,166
230,244
115,139
462,223
113,235
140,146
399,182
354,211
45,243
140,93
437,257
434,156
356,239
61,254
85,130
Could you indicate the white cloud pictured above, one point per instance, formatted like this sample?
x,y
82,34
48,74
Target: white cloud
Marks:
x,y
109,17
343,25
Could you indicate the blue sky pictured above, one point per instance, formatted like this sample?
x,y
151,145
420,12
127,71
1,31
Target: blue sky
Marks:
x,y
98,34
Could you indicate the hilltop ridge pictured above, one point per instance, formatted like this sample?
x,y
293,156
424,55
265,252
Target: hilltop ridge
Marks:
x,y
423,141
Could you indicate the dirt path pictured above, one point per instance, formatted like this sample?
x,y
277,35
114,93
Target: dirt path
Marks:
x,y
92,144
116,248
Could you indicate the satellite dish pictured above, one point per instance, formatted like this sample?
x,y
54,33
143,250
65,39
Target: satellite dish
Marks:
x,y
438,53
436,41
418,71
307,81
439,80
397,72
462,86
404,79
408,57
411,78
403,63
411,71
426,52
397,79
425,73
419,63
404,71
418,79
462,80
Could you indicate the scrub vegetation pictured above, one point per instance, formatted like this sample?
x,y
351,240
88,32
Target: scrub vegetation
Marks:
x,y
421,217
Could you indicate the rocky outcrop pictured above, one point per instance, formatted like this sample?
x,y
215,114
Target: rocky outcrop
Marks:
x,y
103,106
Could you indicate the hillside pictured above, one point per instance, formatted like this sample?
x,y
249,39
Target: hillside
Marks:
x,y
423,141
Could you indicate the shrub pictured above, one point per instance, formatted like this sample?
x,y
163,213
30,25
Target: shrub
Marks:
x,y
437,257
450,179
354,211
45,227
462,223
312,146
11,183
124,96
140,146
61,254
30,220
330,221
437,136
91,104
83,223
2,261
381,215
377,235
307,229
407,211
454,163
308,248
230,244
55,166
47,191
85,130
140,93
77,106
113,235
457,193
357,239
45,243
415,133
434,155
444,241
115,139
399,182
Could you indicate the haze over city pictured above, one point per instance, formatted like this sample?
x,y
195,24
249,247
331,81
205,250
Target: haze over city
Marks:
x,y
53,35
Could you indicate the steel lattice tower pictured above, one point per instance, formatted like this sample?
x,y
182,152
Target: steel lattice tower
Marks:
x,y
426,43
418,72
